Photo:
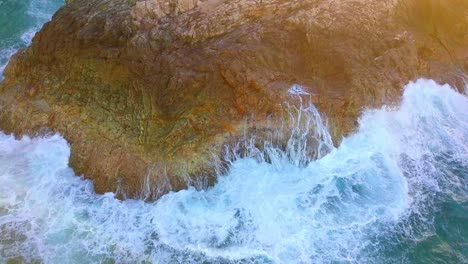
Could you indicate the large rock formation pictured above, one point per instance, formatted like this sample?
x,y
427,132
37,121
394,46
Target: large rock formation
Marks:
x,y
148,91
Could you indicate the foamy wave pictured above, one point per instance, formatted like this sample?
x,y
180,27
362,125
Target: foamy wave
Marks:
x,y
341,208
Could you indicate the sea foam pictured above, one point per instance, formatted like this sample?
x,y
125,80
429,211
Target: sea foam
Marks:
x,y
381,183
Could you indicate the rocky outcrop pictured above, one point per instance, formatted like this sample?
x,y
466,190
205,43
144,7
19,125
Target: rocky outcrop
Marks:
x,y
147,92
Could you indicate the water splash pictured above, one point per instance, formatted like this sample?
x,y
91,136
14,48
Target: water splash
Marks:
x,y
380,191
303,129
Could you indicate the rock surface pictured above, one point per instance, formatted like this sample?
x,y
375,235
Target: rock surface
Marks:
x,y
148,92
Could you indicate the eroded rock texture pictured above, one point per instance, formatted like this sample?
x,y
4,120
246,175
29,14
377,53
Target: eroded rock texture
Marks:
x,y
153,89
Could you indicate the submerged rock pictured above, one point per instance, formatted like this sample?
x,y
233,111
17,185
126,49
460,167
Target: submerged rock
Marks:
x,y
147,93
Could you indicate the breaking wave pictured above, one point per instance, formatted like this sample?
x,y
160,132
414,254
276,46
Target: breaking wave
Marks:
x,y
396,190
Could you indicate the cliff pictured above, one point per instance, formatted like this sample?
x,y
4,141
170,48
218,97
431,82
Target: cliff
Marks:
x,y
148,92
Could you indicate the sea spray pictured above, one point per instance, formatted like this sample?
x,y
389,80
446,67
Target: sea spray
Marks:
x,y
302,128
380,197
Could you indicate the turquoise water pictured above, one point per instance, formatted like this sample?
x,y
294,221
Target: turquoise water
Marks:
x,y
19,21
396,191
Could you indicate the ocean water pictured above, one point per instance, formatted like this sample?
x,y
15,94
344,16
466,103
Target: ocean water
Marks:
x,y
19,21
396,191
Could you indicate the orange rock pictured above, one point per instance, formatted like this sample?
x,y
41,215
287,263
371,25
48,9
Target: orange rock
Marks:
x,y
147,91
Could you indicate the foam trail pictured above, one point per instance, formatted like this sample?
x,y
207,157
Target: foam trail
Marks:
x,y
381,187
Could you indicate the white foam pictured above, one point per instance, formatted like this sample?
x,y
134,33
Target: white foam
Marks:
x,y
327,210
